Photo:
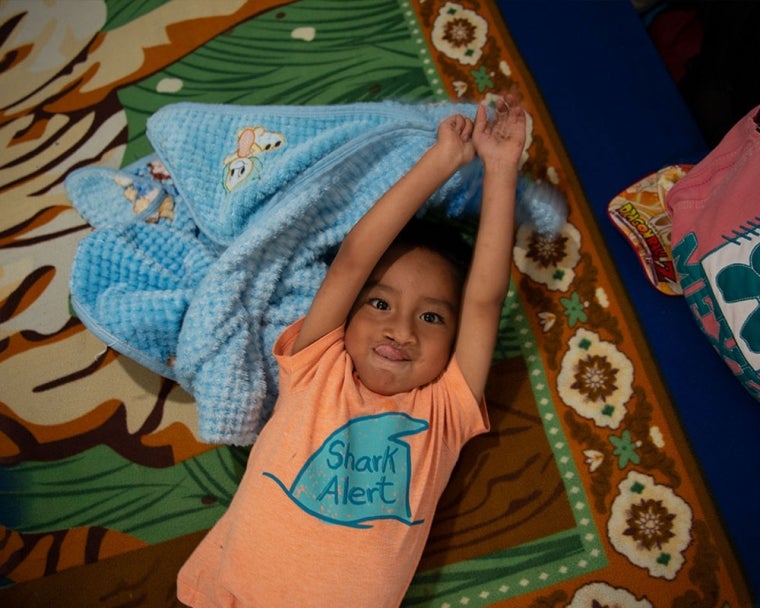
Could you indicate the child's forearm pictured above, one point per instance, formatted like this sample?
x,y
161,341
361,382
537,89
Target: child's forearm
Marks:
x,y
499,143
489,275
488,279
375,231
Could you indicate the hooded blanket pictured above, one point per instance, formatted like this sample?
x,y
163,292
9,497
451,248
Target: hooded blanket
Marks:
x,y
205,251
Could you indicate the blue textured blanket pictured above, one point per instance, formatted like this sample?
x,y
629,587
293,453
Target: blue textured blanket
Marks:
x,y
205,251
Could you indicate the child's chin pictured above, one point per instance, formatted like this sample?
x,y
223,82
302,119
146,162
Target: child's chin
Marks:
x,y
384,386
387,387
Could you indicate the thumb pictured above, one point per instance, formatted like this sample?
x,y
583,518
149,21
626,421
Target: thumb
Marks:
x,y
481,119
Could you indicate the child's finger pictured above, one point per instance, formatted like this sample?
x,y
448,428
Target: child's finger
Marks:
x,y
517,115
481,119
467,129
459,123
502,106
502,120
450,122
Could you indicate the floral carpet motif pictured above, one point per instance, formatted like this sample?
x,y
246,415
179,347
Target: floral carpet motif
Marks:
x,y
584,494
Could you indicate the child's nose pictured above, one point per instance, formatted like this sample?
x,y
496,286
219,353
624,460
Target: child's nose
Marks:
x,y
401,330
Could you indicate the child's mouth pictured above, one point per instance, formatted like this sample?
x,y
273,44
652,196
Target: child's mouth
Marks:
x,y
390,352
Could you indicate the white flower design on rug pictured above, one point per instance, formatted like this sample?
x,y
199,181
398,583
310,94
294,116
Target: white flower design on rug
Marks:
x,y
595,379
650,525
460,33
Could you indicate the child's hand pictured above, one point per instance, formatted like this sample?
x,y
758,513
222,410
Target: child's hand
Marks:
x,y
455,139
500,141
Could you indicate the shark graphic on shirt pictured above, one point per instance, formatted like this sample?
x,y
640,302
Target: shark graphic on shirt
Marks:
x,y
361,472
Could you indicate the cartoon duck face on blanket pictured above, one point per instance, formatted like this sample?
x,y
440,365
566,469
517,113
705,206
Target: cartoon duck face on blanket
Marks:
x,y
252,143
143,195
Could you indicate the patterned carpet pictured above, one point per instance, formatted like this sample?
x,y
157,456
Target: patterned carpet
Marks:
x,y
585,493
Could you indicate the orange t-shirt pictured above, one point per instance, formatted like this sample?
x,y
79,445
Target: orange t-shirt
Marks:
x,y
340,490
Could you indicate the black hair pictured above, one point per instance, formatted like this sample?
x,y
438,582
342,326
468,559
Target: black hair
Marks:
x,y
438,236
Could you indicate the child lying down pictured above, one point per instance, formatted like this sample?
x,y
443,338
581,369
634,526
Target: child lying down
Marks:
x,y
381,385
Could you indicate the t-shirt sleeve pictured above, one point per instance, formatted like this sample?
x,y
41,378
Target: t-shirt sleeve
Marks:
x,y
468,416
283,346
299,367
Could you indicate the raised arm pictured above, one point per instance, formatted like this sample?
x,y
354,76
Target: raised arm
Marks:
x,y
371,236
499,144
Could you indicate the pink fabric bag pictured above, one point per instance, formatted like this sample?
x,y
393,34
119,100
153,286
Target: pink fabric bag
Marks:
x,y
715,211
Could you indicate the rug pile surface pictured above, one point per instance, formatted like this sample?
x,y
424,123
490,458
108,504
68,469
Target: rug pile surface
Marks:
x,y
585,492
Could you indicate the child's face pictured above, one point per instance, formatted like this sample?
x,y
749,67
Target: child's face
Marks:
x,y
402,328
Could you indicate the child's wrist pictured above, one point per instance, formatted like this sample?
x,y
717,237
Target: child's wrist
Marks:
x,y
445,159
500,167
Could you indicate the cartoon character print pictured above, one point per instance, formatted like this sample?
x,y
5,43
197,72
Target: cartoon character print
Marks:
x,y
142,194
252,143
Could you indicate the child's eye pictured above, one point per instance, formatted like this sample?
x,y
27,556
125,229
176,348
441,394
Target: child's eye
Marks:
x,y
431,317
378,303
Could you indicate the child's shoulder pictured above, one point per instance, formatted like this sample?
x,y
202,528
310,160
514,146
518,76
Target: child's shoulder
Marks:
x,y
283,346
